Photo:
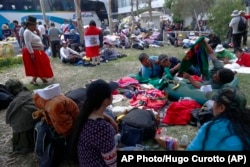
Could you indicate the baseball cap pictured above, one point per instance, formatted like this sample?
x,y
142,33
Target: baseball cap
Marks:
x,y
231,97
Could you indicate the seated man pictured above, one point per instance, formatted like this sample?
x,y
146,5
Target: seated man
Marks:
x,y
243,57
74,39
218,74
224,55
68,55
150,66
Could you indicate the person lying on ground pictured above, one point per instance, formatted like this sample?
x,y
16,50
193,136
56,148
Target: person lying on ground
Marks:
x,y
218,74
150,66
229,129
68,55
224,55
243,57
172,64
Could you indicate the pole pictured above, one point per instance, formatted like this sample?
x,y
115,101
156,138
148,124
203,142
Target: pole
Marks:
x,y
44,15
79,19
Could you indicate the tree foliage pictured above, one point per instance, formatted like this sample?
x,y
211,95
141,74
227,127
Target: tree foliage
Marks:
x,y
183,8
220,15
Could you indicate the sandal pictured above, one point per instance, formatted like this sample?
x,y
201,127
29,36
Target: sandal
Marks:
x,y
45,81
34,83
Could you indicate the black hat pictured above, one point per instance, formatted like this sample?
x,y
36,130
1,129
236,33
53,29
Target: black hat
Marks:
x,y
31,20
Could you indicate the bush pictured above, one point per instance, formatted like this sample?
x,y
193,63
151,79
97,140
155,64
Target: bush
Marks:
x,y
9,61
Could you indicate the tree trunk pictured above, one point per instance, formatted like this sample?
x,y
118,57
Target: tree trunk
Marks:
x,y
150,10
109,17
46,22
79,19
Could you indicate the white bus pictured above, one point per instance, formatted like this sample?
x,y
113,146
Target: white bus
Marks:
x,y
56,10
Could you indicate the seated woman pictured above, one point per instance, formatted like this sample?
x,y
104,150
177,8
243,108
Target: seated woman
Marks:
x,y
109,52
93,139
224,55
68,55
229,128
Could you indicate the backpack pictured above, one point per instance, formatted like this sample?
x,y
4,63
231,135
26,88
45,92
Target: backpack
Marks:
x,y
138,125
49,146
201,116
5,97
77,95
242,24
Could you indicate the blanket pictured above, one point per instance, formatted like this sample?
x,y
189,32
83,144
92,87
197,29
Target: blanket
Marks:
x,y
238,68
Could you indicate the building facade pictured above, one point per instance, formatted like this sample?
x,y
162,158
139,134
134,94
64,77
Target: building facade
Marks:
x,y
125,7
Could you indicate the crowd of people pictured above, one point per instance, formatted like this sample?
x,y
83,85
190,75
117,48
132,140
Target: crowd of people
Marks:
x,y
92,135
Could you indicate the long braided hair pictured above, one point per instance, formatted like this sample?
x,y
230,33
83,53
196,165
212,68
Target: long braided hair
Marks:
x,y
236,112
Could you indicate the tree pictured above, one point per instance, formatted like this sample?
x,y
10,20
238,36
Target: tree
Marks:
x,y
149,2
220,15
109,17
183,8
79,19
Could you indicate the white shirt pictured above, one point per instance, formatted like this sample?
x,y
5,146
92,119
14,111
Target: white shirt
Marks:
x,y
67,52
32,41
41,28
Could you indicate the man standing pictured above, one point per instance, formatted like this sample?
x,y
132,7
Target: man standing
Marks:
x,y
16,30
54,37
92,42
43,34
237,35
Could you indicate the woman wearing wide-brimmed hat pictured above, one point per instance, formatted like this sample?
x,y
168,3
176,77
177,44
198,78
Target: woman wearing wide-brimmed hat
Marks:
x,y
35,60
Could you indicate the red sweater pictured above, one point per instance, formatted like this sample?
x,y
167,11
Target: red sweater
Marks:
x,y
244,60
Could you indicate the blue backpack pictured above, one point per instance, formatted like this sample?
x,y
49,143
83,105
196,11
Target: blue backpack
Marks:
x,y
47,142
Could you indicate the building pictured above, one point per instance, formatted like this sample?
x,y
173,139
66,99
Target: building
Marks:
x,y
124,6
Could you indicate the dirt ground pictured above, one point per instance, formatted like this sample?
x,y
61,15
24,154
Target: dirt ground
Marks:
x,y
69,77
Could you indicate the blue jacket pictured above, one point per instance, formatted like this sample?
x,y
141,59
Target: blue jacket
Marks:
x,y
219,138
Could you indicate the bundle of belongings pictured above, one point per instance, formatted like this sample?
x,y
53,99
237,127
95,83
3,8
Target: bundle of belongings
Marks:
x,y
56,114
19,117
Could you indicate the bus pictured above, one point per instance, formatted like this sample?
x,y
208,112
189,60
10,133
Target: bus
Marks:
x,y
56,10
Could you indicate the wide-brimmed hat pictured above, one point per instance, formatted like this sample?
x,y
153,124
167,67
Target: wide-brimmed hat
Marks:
x,y
235,13
31,20
219,48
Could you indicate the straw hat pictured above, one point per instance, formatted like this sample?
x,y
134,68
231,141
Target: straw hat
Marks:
x,y
219,48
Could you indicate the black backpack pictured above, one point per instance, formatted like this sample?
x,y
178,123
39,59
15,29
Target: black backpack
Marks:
x,y
138,125
201,116
5,97
77,95
242,24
